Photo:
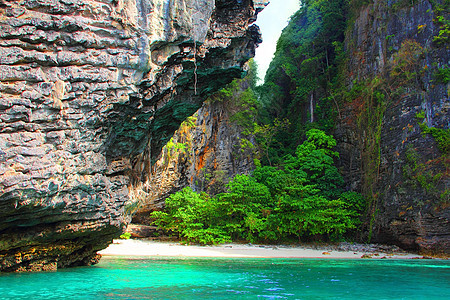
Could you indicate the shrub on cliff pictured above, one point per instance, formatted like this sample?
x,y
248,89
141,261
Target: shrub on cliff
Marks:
x,y
303,199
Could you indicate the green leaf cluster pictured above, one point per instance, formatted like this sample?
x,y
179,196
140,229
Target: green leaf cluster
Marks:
x,y
442,75
125,236
303,199
193,217
421,173
440,135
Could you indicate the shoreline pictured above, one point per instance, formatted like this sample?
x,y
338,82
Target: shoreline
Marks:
x,y
173,249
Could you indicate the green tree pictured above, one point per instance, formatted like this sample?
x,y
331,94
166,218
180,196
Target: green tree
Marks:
x,y
192,216
314,160
303,199
245,201
308,200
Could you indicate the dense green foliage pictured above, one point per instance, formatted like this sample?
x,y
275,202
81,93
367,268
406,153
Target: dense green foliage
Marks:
x,y
441,136
299,82
441,9
442,75
303,199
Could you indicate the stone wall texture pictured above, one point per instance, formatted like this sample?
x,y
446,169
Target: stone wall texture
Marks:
x,y
393,160
90,91
204,154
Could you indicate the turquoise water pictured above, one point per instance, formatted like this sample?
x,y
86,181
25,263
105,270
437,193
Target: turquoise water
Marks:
x,y
213,278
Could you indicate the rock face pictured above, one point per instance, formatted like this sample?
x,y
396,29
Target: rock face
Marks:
x,y
204,154
389,152
90,91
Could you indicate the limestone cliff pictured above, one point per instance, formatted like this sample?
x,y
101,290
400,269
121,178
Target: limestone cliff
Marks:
x,y
90,91
204,153
393,135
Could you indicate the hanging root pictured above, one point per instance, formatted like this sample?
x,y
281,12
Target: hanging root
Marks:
x,y
195,50
195,67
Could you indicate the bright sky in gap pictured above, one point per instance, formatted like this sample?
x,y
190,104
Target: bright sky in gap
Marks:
x,y
272,20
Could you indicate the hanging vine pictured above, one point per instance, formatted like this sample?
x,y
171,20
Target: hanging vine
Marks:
x,y
195,48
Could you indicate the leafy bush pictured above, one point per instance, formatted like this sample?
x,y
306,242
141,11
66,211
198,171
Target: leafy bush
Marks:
x,y
125,236
442,75
191,215
443,36
441,135
304,199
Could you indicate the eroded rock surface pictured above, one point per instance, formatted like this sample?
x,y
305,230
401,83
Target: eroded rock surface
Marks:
x,y
90,91
204,154
402,169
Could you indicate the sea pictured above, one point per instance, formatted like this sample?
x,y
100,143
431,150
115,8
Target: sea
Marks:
x,y
236,278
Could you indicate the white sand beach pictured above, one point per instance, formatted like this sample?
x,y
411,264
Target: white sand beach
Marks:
x,y
174,249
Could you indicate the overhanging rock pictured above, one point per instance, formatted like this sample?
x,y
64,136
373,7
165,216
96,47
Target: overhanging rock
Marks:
x,y
89,93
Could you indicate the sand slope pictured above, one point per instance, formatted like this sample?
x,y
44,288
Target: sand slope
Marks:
x,y
152,248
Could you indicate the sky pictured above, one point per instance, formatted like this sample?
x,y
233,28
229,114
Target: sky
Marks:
x,y
272,20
